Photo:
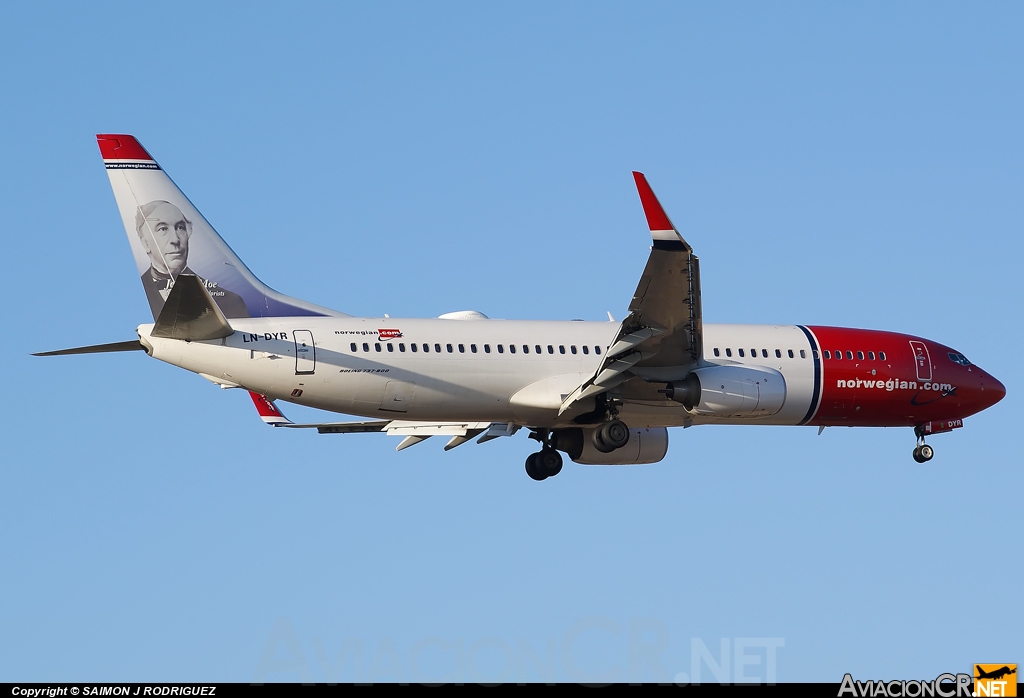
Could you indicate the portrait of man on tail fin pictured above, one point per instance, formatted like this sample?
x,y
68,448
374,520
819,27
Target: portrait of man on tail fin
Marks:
x,y
164,232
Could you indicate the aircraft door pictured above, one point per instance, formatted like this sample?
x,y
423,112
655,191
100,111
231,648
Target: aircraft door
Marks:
x,y
922,361
305,352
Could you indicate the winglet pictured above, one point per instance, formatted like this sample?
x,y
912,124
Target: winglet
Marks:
x,y
663,233
268,410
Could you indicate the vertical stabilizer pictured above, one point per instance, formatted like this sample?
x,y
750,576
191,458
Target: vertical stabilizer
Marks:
x,y
169,237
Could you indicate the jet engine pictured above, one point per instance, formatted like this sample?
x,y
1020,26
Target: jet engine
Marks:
x,y
730,391
646,445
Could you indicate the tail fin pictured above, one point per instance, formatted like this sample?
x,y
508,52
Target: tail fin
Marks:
x,y
168,237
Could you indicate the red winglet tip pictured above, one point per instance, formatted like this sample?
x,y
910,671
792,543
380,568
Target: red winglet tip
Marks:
x,y
114,146
656,218
264,407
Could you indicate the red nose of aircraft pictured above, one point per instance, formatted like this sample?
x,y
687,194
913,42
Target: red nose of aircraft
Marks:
x,y
992,391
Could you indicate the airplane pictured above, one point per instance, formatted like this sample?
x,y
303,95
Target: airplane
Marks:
x,y
603,393
995,674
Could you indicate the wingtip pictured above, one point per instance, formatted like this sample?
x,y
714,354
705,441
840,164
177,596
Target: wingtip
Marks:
x,y
268,410
657,219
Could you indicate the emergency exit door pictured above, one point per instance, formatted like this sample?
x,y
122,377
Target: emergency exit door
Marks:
x,y
305,352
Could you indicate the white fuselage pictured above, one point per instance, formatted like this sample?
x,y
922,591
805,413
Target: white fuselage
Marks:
x,y
480,370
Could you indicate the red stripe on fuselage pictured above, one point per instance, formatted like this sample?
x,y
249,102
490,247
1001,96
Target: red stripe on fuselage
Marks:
x,y
899,390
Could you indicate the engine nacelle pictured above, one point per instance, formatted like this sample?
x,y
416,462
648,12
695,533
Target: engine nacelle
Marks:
x,y
646,445
731,391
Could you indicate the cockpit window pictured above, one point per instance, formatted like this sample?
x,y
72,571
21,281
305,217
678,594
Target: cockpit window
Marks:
x,y
958,358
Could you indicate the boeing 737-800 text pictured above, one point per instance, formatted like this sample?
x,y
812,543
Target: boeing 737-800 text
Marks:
x,y
604,393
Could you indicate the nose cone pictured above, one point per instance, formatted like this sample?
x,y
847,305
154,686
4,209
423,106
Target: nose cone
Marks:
x,y
992,391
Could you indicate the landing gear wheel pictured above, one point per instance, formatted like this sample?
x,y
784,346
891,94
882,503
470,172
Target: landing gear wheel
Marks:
x,y
532,467
611,435
926,452
917,454
548,461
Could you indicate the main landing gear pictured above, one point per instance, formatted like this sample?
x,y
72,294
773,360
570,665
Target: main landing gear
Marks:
x,y
544,464
922,452
611,435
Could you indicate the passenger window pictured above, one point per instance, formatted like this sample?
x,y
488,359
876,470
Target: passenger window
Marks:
x,y
871,356
353,345
753,353
426,348
728,351
828,354
586,349
526,348
778,354
487,348
803,354
551,349
437,348
849,355
366,347
573,348
791,353
839,355
860,356
511,348
448,347
462,348
401,347
376,346
597,350
472,348
391,347
881,355
501,349
536,348
414,347
814,353
741,353
717,353
561,348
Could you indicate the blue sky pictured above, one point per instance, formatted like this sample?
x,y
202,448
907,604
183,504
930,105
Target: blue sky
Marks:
x,y
848,164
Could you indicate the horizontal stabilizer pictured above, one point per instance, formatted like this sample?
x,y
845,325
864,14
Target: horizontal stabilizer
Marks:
x,y
131,345
190,313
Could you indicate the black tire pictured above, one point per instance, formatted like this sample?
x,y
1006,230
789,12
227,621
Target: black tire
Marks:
x,y
917,455
549,462
599,442
532,467
926,452
615,434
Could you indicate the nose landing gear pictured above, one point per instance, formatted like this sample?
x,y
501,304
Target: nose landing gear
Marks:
x,y
922,452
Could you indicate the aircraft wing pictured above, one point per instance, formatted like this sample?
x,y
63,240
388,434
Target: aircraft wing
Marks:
x,y
414,432
663,331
